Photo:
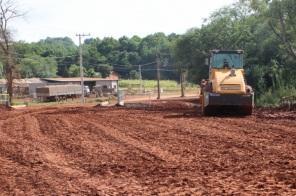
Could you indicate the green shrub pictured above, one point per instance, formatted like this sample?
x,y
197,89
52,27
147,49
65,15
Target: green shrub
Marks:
x,y
272,98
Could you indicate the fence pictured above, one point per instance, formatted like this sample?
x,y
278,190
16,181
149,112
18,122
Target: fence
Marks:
x,y
4,99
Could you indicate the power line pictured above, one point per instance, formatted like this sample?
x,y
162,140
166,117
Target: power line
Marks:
x,y
123,67
160,69
173,70
19,55
62,57
150,63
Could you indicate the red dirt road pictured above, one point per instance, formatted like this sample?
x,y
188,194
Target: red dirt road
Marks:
x,y
164,148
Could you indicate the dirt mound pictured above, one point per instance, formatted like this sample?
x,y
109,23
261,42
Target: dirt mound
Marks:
x,y
126,150
164,105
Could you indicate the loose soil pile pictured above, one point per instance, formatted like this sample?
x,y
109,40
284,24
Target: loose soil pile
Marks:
x,y
166,147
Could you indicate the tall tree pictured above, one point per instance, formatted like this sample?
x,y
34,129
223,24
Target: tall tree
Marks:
x,y
8,12
282,17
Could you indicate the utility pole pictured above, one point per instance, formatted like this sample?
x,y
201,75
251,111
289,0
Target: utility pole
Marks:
x,y
158,75
182,77
81,66
140,77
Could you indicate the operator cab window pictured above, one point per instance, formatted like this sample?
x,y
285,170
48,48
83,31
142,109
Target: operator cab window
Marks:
x,y
227,60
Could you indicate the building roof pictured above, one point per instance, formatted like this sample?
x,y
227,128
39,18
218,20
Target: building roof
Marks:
x,y
112,77
23,81
26,81
78,79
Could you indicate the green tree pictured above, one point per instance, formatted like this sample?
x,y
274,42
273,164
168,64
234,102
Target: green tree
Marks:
x,y
74,70
8,13
63,49
91,73
281,17
37,66
134,74
104,69
107,45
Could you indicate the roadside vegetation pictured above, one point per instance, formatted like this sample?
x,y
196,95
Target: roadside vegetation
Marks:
x,y
151,84
273,98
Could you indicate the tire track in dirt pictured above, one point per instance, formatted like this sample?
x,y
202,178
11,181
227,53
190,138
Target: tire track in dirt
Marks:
x,y
230,128
156,132
20,150
199,145
240,142
81,180
143,146
52,168
211,160
229,131
264,133
140,130
177,129
71,178
252,123
79,133
96,179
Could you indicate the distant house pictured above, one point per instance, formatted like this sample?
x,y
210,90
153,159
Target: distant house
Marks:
x,y
27,86
22,87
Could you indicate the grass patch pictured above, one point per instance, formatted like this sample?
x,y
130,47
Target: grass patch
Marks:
x,y
152,84
17,102
272,98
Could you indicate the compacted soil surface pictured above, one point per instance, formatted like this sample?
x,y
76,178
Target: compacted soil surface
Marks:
x,y
149,148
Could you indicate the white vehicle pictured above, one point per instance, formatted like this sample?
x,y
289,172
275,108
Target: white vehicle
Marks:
x,y
86,91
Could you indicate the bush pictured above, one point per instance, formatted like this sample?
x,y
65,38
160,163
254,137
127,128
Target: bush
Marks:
x,y
272,98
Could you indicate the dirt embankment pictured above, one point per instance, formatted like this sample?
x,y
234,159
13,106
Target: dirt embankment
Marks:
x,y
162,147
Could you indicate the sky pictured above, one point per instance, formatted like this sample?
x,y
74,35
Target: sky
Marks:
x,y
109,18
